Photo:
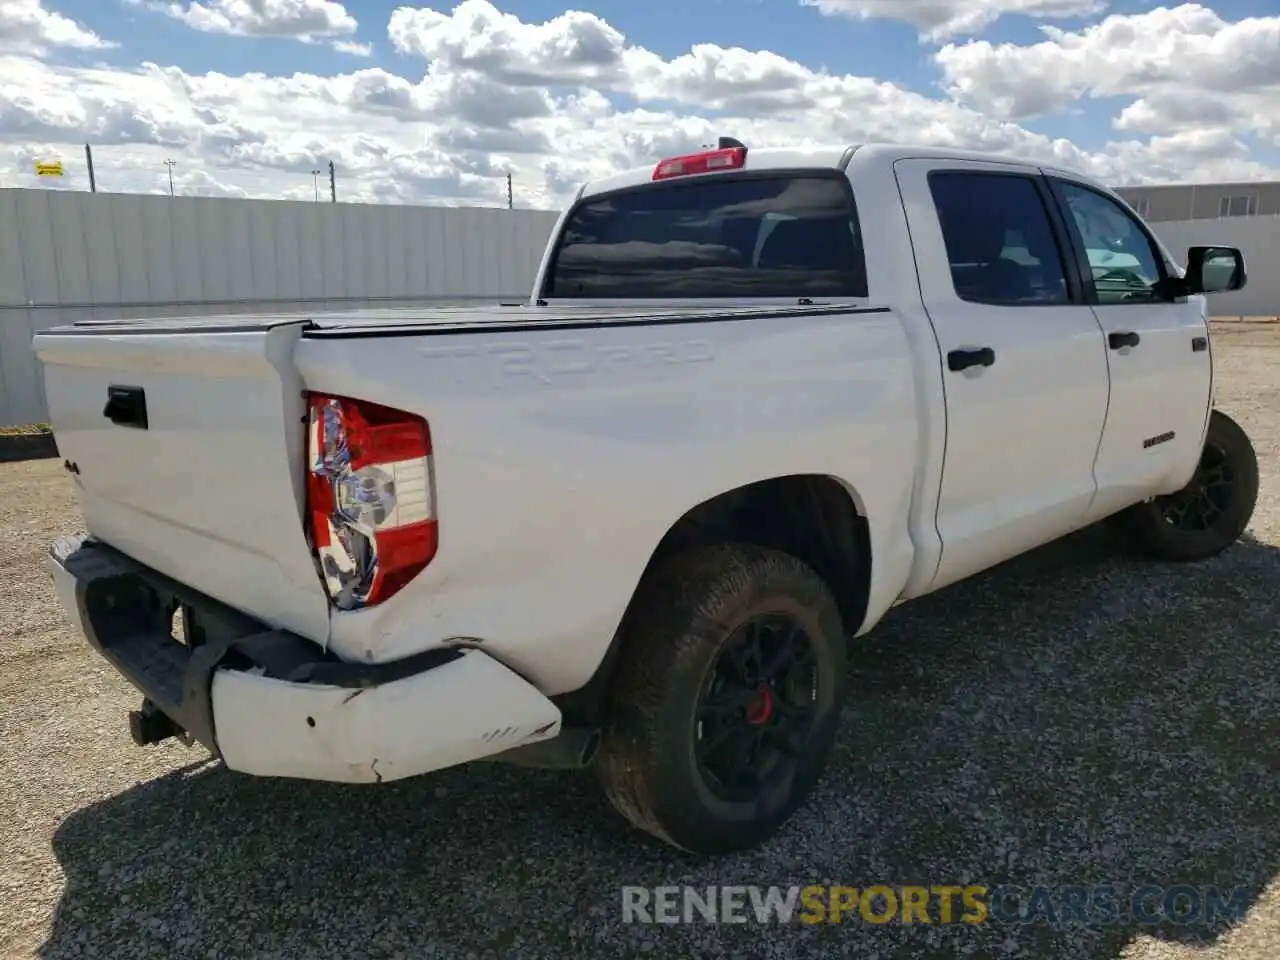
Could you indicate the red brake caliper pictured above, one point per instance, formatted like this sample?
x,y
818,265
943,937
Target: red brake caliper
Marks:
x,y
760,707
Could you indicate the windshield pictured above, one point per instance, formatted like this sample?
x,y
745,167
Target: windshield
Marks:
x,y
780,236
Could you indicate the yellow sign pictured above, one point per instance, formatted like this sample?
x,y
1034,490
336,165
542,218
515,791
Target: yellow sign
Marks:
x,y
49,169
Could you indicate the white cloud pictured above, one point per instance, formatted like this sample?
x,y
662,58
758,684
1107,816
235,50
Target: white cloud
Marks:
x,y
27,27
355,49
940,19
306,20
483,92
574,47
1185,71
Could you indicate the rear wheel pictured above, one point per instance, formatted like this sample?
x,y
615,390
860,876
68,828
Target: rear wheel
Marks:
x,y
1211,511
726,699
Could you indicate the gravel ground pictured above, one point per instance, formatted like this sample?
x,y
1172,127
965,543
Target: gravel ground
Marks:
x,y
1074,717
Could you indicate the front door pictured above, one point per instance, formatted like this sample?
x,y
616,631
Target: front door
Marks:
x,y
1157,351
1024,362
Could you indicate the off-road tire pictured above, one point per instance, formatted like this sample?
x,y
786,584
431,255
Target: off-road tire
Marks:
x,y
1145,527
683,614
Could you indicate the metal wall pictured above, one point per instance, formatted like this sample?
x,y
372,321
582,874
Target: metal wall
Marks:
x,y
1203,201
68,256
1258,237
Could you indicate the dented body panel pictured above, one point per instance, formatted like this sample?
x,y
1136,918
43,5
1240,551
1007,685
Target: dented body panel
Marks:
x,y
468,709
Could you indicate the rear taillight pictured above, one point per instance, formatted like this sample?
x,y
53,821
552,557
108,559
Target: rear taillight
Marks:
x,y
370,509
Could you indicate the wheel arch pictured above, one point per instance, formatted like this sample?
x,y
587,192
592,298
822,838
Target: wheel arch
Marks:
x,y
818,518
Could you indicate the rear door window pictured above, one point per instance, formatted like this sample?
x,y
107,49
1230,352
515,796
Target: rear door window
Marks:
x,y
753,236
1000,243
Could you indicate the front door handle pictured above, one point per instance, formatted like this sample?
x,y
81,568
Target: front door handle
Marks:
x,y
958,360
1119,340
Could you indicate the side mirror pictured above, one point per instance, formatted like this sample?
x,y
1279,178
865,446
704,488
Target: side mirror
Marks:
x,y
1215,270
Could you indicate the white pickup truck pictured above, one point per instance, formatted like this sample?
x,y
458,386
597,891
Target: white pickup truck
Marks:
x,y
757,398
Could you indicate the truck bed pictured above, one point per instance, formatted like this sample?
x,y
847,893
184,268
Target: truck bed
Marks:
x,y
197,470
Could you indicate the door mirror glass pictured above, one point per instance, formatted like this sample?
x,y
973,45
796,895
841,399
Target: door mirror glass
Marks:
x,y
1215,269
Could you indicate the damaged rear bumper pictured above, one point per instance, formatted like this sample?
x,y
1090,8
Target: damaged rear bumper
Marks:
x,y
270,703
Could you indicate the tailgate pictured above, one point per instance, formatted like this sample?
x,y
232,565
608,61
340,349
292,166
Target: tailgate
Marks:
x,y
196,467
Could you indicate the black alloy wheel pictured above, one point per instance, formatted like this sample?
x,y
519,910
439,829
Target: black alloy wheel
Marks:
x,y
1207,498
757,708
1211,512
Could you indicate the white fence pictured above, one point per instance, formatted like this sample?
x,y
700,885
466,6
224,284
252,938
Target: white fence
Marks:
x,y
69,256
1258,237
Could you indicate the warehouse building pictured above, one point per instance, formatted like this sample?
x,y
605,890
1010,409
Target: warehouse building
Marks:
x,y
1203,201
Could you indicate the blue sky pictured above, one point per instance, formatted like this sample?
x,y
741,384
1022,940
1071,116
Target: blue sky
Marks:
x,y
887,50
1083,110
884,49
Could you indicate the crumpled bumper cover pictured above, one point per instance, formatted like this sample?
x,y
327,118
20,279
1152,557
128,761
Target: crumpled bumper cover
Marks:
x,y
271,703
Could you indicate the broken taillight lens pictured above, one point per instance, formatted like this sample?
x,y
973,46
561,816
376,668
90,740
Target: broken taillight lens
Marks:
x,y
370,506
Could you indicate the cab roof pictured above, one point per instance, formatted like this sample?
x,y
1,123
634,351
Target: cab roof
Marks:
x,y
821,157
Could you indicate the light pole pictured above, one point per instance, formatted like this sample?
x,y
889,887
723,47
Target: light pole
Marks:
x,y
171,164
315,180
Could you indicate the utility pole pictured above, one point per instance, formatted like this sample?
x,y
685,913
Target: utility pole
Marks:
x,y
510,205
88,162
171,164
315,179
333,184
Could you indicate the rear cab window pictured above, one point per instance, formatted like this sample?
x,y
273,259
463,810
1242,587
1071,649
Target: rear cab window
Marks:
x,y
728,235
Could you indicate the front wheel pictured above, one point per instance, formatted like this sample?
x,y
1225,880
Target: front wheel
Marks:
x,y
726,698
1212,510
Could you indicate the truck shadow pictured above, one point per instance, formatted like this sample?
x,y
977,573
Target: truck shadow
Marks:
x,y
1072,718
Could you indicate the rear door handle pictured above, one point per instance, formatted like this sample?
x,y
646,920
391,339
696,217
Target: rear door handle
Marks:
x,y
1119,340
958,360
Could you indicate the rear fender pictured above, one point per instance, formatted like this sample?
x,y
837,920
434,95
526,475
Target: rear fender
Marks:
x,y
818,518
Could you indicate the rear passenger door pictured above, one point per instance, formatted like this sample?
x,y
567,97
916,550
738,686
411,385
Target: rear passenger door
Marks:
x,y
1158,351
1024,363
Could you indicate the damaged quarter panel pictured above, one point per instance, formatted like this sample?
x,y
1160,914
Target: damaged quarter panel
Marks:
x,y
561,461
